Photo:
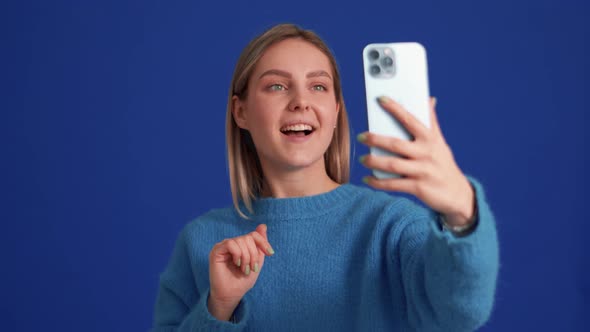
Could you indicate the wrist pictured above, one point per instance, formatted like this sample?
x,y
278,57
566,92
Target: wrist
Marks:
x,y
463,219
222,309
458,230
465,214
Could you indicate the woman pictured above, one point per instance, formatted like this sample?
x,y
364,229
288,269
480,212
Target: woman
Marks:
x,y
347,257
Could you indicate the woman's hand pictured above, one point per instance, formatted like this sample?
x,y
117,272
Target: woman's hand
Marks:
x,y
426,163
234,265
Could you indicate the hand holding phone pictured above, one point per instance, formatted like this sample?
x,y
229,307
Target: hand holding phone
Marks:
x,y
408,151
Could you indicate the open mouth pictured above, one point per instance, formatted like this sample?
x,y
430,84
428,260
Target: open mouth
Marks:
x,y
297,130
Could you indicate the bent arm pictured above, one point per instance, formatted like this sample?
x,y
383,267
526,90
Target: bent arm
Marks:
x,y
450,281
181,307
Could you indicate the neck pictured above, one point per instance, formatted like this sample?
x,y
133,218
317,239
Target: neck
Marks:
x,y
305,181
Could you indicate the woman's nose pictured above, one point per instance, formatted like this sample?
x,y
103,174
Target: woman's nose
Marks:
x,y
299,103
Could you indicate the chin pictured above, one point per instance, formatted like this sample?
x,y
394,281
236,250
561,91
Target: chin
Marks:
x,y
299,161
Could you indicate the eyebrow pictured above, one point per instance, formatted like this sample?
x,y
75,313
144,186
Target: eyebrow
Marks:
x,y
283,73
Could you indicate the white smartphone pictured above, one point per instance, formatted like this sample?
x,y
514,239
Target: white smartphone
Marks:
x,y
398,71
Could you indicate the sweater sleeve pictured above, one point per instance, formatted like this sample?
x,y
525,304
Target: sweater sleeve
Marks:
x,y
450,281
181,307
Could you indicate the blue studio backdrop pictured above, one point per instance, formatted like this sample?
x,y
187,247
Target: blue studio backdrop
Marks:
x,y
113,139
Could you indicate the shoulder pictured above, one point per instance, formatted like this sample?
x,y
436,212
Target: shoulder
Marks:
x,y
215,225
219,215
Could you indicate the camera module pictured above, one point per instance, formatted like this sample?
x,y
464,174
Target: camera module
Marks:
x,y
387,62
373,55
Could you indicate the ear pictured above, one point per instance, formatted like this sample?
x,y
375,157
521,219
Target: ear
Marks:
x,y
238,112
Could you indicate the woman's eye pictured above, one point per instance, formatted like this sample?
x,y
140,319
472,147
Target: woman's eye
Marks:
x,y
277,87
319,88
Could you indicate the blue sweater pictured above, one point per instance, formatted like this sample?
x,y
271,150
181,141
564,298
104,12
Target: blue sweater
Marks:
x,y
352,259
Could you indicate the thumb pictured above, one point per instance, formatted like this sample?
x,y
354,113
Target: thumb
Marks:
x,y
261,229
433,118
433,102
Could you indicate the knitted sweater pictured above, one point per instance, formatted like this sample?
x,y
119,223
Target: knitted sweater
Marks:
x,y
352,259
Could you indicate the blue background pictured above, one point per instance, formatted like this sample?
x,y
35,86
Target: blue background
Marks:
x,y
112,131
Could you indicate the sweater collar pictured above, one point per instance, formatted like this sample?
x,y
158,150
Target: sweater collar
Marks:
x,y
302,207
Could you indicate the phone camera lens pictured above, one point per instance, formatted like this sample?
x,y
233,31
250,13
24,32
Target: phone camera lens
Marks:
x,y
374,54
387,62
375,69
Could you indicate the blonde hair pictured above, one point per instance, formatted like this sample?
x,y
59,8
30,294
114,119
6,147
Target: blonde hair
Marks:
x,y
245,172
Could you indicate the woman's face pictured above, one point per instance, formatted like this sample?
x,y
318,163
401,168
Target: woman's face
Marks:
x,y
291,109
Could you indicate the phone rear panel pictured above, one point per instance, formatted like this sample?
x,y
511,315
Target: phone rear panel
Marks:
x,y
399,71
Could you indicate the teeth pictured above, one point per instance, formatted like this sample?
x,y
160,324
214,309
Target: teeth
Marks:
x,y
297,127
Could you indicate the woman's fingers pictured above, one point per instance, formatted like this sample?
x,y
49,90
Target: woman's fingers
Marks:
x,y
410,149
394,184
431,172
234,249
261,229
407,119
262,243
433,117
247,251
397,165
245,255
254,256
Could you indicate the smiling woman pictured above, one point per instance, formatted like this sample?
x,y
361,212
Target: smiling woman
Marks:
x,y
290,91
286,68
348,258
